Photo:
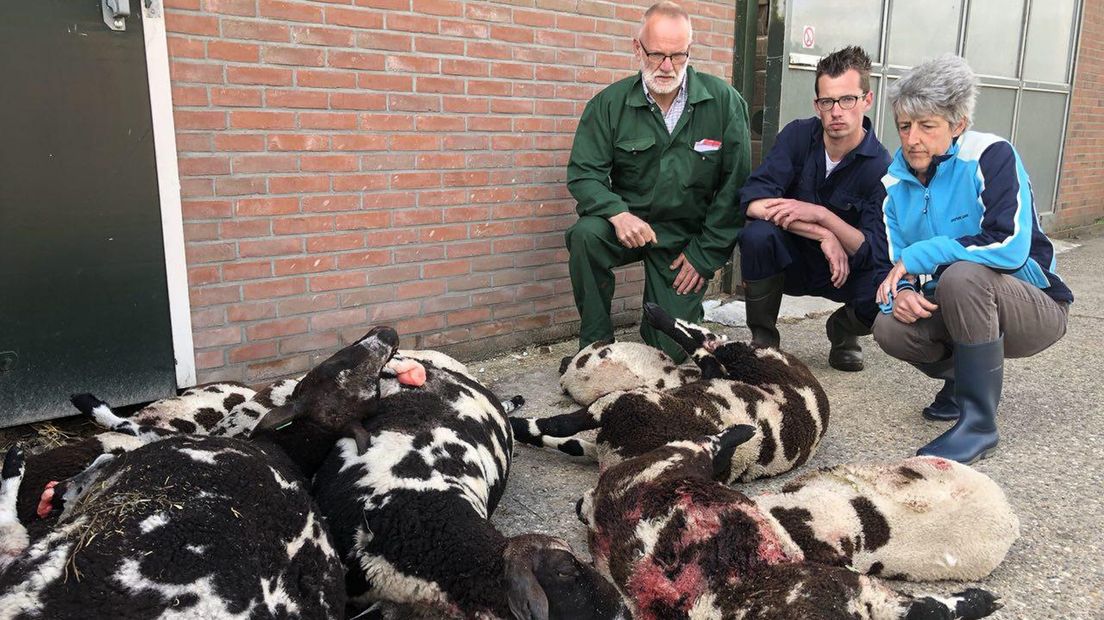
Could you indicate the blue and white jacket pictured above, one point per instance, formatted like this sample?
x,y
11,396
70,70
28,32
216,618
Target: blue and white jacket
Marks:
x,y
978,206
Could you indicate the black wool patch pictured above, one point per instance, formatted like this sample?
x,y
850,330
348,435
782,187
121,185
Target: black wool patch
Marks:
x,y
875,528
796,522
232,401
910,473
208,417
183,426
412,466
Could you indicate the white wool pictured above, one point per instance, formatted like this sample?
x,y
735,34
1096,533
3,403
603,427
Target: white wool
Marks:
x,y
953,522
625,366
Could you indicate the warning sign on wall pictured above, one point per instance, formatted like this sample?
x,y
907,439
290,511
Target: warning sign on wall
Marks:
x,y
808,37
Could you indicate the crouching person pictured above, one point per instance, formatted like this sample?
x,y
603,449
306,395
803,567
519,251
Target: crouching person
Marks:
x,y
960,208
814,213
657,161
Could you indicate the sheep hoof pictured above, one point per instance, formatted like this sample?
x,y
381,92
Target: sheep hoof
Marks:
x,y
85,402
975,603
565,363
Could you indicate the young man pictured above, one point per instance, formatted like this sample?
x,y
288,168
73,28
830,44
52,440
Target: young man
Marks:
x,y
814,217
656,165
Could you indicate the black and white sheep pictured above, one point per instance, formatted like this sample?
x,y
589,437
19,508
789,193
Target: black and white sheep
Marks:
x,y
680,544
197,410
605,367
922,519
409,514
740,383
217,409
13,536
203,527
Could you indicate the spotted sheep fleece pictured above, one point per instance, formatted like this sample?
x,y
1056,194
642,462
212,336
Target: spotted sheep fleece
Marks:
x,y
170,528
680,544
410,515
216,409
923,519
605,367
768,389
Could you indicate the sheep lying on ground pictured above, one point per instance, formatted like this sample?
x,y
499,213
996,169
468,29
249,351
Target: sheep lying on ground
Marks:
x,y
606,367
739,384
410,513
196,410
170,529
924,518
65,462
681,545
13,537
216,409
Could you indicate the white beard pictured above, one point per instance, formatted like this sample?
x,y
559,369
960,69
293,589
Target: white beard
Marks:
x,y
659,89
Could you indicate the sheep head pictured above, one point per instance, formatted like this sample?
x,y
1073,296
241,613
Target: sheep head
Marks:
x,y
546,581
341,391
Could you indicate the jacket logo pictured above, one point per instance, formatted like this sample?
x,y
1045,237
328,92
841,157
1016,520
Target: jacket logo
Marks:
x,y
959,217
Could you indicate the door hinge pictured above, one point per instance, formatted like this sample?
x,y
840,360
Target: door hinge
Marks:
x,y
115,13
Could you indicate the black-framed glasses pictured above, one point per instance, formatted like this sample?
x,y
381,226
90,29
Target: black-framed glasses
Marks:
x,y
657,58
846,102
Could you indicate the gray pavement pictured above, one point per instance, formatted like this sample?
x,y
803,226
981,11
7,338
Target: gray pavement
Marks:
x,y
1049,461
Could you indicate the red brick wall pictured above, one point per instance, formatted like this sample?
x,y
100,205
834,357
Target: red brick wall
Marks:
x,y
353,162
1081,191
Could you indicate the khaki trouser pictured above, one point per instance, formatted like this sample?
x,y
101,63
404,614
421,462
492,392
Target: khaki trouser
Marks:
x,y
976,305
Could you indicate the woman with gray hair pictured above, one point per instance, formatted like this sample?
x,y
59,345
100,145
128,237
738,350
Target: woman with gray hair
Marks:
x,y
960,210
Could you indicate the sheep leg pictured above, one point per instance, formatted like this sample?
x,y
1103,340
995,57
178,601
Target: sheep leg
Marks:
x,y
572,446
101,412
563,425
966,605
513,404
799,590
13,536
697,341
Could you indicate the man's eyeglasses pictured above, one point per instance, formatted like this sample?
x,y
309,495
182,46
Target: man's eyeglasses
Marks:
x,y
657,58
846,102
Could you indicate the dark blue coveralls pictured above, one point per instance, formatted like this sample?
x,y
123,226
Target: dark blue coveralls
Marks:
x,y
794,168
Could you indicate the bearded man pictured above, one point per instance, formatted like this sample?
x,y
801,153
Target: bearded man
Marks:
x,y
656,166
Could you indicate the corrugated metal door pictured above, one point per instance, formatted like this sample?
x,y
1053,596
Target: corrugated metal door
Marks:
x,y
1022,50
83,298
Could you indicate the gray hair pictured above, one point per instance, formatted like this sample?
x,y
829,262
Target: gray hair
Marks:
x,y
666,9
943,86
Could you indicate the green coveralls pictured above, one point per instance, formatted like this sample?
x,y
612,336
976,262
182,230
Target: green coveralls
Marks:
x,y
623,159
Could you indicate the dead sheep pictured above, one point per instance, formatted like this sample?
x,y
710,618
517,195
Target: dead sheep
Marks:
x,y
216,409
409,513
680,544
740,383
922,519
65,462
170,529
605,367
197,410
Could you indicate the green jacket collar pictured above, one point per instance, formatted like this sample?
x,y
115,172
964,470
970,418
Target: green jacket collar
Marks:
x,y
695,90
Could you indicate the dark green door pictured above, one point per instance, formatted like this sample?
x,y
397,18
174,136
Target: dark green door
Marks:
x,y
83,298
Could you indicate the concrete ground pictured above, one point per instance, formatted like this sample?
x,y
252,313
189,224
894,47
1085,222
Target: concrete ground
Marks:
x,y
1049,461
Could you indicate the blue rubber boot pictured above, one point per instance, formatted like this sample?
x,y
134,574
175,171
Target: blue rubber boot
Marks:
x,y
943,408
979,372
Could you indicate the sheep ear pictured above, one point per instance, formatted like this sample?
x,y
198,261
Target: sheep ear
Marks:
x,y
360,436
524,593
276,418
726,444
